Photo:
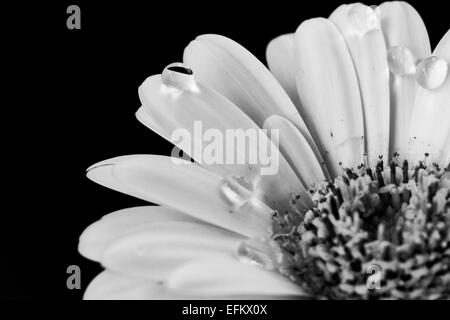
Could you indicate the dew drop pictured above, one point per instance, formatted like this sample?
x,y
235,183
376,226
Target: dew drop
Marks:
x,y
261,252
431,72
236,190
401,61
363,18
179,76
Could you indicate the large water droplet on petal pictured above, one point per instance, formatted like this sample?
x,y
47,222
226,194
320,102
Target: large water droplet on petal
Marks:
x,y
431,72
363,18
401,61
178,76
236,190
262,252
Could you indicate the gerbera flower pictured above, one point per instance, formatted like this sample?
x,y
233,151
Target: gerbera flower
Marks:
x,y
363,112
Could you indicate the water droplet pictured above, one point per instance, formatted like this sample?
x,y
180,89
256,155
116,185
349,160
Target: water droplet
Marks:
x,y
363,18
236,190
431,72
262,252
178,76
401,61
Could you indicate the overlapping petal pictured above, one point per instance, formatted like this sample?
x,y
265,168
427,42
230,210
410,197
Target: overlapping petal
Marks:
x,y
154,250
280,59
329,92
402,26
165,111
230,69
110,285
367,48
95,239
430,123
184,187
296,150
221,277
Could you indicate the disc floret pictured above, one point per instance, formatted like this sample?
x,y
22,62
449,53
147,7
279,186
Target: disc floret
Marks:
x,y
395,222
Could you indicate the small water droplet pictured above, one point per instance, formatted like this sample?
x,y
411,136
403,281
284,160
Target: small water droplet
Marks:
x,y
431,72
363,18
262,252
179,76
401,61
236,190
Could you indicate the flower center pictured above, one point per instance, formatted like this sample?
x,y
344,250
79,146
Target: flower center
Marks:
x,y
382,234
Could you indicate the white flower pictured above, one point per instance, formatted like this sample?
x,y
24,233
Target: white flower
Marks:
x,y
363,111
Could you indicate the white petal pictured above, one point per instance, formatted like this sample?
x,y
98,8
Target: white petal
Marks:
x,y
329,93
280,59
402,26
109,285
368,51
222,277
430,124
185,187
204,110
227,67
155,250
101,233
296,150
103,175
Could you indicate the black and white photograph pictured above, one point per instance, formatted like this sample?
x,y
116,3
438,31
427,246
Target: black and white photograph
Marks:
x,y
228,152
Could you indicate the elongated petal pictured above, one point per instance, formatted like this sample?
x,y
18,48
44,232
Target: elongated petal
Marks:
x,y
296,150
329,93
368,51
430,124
227,67
185,187
402,26
101,233
229,277
280,59
155,250
109,285
103,175
201,112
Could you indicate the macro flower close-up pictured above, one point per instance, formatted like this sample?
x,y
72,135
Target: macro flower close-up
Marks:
x,y
338,189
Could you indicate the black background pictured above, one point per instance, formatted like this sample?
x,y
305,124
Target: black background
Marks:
x,y
75,99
